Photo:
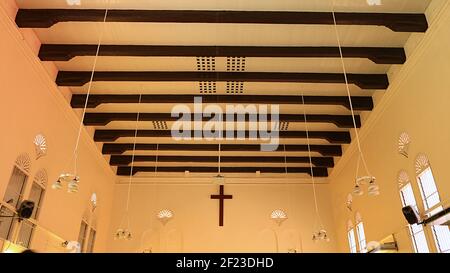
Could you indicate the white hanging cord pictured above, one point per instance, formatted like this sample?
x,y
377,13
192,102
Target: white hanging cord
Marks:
x,y
220,148
348,88
357,167
285,160
132,157
311,164
75,152
156,163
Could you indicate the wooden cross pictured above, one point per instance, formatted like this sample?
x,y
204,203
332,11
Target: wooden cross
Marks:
x,y
221,197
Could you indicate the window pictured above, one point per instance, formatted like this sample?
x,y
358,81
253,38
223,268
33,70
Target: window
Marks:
x,y
416,231
37,196
14,195
83,234
91,241
430,197
351,240
16,186
361,237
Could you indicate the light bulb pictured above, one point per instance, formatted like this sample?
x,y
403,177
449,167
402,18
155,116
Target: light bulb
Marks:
x,y
57,185
373,188
357,190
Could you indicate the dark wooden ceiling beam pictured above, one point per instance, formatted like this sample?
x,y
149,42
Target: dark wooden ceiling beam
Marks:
x,y
102,119
120,148
330,136
359,103
44,18
65,52
318,171
364,81
125,160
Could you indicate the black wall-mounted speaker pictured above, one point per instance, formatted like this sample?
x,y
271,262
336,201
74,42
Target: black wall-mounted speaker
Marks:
x,y
411,215
26,209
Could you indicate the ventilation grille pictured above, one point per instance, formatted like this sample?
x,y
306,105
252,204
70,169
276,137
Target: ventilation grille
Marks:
x,y
206,63
235,87
160,125
284,126
208,87
236,64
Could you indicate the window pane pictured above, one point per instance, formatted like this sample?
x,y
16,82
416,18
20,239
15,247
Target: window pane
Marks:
x,y
416,231
6,223
26,231
351,241
91,242
421,242
16,185
36,195
442,236
433,200
82,235
428,184
361,237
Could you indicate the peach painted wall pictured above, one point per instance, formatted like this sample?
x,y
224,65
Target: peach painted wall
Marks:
x,y
418,102
31,104
195,227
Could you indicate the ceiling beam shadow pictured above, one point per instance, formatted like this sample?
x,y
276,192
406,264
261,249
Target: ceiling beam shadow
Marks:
x,y
318,171
120,148
359,103
80,78
102,119
65,52
45,18
126,160
330,136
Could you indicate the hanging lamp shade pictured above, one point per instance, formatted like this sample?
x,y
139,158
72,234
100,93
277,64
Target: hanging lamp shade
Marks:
x,y
357,190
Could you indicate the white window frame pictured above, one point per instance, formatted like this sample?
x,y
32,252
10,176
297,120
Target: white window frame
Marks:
x,y
351,240
441,234
361,235
82,236
91,240
30,224
13,208
416,232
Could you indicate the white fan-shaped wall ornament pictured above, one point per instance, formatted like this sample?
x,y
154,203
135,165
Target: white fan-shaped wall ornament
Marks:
x,y
23,162
421,163
40,145
279,216
41,178
164,216
403,144
403,178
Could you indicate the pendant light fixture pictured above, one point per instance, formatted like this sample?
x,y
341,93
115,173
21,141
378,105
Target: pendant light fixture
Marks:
x,y
71,178
321,233
124,232
373,188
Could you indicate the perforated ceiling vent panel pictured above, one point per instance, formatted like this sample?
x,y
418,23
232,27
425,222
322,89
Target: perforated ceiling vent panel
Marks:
x,y
284,126
236,64
206,63
235,87
208,87
160,125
